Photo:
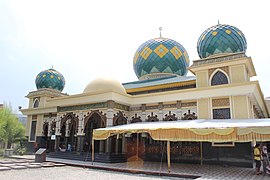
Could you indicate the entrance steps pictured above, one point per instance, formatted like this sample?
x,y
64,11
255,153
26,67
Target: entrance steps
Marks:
x,y
83,156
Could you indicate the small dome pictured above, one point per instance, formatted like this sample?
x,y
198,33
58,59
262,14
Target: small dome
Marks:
x,y
221,39
160,57
50,79
105,85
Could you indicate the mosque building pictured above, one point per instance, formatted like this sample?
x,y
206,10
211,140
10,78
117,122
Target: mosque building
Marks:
x,y
221,88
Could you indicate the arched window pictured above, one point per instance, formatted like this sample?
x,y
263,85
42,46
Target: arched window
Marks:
x,y
219,78
36,103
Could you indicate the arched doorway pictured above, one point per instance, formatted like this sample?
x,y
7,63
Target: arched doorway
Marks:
x,y
45,139
68,131
92,121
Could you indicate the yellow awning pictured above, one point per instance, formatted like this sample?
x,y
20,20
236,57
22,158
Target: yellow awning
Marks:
x,y
224,130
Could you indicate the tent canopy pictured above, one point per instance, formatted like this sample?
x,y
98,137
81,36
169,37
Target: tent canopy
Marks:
x,y
223,130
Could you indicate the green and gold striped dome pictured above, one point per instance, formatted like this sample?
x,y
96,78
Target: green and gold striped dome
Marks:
x,y
160,57
50,79
221,38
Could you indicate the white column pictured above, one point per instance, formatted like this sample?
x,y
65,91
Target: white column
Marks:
x,y
58,124
81,124
109,117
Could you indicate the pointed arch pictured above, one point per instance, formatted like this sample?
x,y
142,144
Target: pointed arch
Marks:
x,y
219,77
102,116
74,120
119,119
36,103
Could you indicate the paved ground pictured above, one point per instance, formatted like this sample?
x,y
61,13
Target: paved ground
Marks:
x,y
68,172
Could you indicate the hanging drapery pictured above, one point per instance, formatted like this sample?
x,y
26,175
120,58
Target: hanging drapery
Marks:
x,y
226,130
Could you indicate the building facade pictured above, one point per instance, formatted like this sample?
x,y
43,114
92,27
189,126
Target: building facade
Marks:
x,y
221,88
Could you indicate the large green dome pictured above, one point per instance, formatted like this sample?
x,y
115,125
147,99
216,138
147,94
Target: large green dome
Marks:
x,y
160,57
221,39
50,79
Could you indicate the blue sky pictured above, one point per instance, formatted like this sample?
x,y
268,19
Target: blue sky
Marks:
x,y
87,39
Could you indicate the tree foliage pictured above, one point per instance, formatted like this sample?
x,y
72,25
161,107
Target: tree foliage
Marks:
x,y
11,130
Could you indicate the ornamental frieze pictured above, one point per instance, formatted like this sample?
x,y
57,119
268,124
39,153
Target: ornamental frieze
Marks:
x,y
189,104
167,106
220,102
121,106
218,59
151,107
83,107
135,108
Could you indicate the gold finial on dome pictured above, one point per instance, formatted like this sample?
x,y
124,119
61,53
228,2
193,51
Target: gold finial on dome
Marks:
x,y
160,29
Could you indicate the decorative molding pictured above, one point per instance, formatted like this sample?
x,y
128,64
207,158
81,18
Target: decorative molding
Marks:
x,y
110,104
152,118
135,108
221,102
188,104
46,92
218,59
151,107
121,106
168,106
189,116
136,119
170,117
178,104
143,107
160,106
83,107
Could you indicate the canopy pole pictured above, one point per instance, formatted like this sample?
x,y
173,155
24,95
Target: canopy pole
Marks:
x,y
169,156
93,150
201,153
137,146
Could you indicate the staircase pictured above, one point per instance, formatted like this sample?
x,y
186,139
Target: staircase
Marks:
x,y
99,157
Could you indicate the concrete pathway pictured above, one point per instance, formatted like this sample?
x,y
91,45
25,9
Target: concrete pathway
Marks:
x,y
190,171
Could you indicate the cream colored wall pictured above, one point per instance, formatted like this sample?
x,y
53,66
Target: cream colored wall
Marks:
x,y
39,127
202,79
203,109
240,107
27,127
237,74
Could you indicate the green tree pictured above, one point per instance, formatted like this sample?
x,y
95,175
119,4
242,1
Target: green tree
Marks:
x,y
11,130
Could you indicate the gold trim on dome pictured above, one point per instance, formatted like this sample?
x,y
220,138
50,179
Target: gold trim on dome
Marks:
x,y
44,75
52,76
203,37
161,50
136,57
228,31
146,52
162,86
214,33
176,52
186,56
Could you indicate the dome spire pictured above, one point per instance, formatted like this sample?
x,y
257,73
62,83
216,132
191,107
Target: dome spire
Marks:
x,y
160,29
218,21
